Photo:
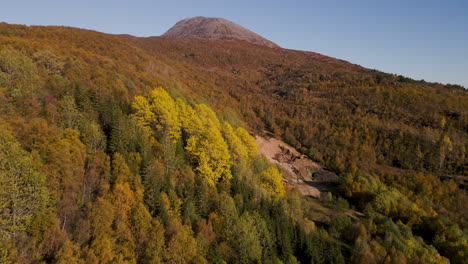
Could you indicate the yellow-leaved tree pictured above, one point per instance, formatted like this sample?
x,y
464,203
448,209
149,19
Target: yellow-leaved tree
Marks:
x,y
248,141
204,142
206,145
212,147
23,191
159,113
237,148
272,182
120,223
143,112
165,110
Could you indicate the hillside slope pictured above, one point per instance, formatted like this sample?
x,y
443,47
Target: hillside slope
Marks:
x,y
306,91
112,168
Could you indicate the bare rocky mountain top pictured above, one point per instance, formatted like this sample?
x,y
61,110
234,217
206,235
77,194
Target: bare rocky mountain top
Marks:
x,y
215,28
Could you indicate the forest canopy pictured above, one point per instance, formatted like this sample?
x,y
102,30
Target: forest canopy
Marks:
x,y
116,149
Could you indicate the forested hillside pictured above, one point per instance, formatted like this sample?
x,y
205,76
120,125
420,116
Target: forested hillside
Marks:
x,y
116,149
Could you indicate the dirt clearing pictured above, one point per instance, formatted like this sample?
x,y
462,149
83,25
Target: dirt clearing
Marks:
x,y
299,171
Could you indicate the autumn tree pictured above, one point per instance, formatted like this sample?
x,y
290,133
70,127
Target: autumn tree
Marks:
x,y
272,181
52,64
247,240
159,113
18,73
66,168
181,247
238,150
206,144
23,191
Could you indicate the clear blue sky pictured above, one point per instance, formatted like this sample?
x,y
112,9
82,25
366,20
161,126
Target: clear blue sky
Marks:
x,y
422,39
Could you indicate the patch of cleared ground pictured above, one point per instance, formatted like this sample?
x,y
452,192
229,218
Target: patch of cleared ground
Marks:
x,y
300,172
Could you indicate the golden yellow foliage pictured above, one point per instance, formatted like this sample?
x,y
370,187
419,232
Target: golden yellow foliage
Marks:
x,y
237,148
272,181
143,111
165,110
249,142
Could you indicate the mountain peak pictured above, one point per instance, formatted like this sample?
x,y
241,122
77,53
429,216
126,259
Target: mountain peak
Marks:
x,y
215,28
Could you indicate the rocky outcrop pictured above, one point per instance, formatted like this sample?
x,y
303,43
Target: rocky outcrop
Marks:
x,y
300,172
215,28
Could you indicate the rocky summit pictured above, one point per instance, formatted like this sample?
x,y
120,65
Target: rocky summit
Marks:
x,y
215,28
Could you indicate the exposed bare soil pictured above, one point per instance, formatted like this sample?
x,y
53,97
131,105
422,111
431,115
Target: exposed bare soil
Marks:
x,y
300,172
